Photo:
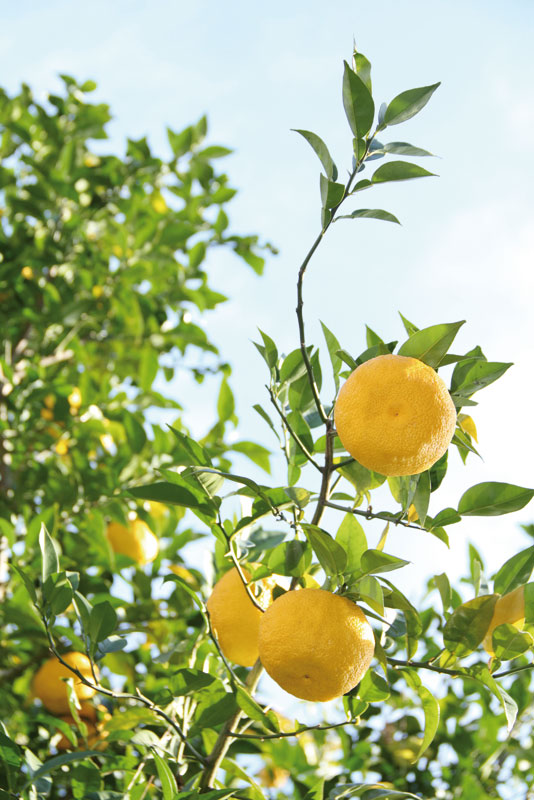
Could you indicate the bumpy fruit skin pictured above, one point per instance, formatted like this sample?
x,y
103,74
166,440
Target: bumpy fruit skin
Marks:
x,y
510,608
395,416
314,644
49,687
136,541
235,619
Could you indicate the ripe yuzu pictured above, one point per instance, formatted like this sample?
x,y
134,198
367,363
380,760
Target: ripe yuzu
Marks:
x,y
395,415
235,619
510,608
48,686
136,541
316,645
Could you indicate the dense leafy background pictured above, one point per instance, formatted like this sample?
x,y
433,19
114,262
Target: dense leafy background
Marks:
x,y
102,259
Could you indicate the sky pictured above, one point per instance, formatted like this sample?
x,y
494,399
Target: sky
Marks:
x,y
465,248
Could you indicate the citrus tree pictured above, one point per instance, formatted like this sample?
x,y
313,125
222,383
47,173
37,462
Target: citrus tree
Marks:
x,y
129,673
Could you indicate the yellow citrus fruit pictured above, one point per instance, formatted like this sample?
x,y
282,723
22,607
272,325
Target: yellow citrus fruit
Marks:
x,y
47,413
50,401
235,619
51,690
316,645
395,415
136,541
510,608
97,291
27,273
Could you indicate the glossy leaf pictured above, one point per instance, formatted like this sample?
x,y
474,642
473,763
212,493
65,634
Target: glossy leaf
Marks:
x,y
467,626
399,171
351,537
358,103
514,572
375,561
404,149
472,374
102,621
333,347
331,555
290,558
491,499
431,344
321,150
49,556
371,213
169,787
407,104
331,192
430,709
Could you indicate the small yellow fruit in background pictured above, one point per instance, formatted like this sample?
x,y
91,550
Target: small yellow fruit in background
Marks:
x,y
235,619
48,686
316,645
50,401
155,509
47,414
158,203
510,608
75,400
395,416
136,541
62,447
97,291
27,273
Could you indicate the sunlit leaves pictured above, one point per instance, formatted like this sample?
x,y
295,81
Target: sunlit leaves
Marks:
x,y
467,626
321,150
491,499
358,103
431,344
408,104
515,571
399,171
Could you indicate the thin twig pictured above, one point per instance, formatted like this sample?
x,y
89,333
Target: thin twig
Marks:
x,y
282,735
322,501
292,433
385,515
395,662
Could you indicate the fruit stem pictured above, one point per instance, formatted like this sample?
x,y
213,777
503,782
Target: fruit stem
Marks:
x,y
226,737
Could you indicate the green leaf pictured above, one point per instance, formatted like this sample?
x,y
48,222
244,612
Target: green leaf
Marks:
x,y
254,711
444,587
375,561
28,583
169,786
290,558
371,592
431,344
59,761
102,621
361,477
467,626
177,495
514,572
430,709
225,402
404,149
188,453
148,368
492,499
10,752
185,681
135,432
331,192
409,327
372,213
407,104
421,497
373,688
368,791
448,516
49,554
256,452
213,794
508,642
333,347
321,150
214,711
270,351
351,537
264,415
472,374
358,103
331,555
482,674
293,367
399,171
362,67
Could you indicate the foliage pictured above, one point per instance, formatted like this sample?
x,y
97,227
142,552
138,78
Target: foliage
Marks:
x,y
182,721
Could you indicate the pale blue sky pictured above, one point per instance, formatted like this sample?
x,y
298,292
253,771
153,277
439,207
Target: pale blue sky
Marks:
x,y
465,250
